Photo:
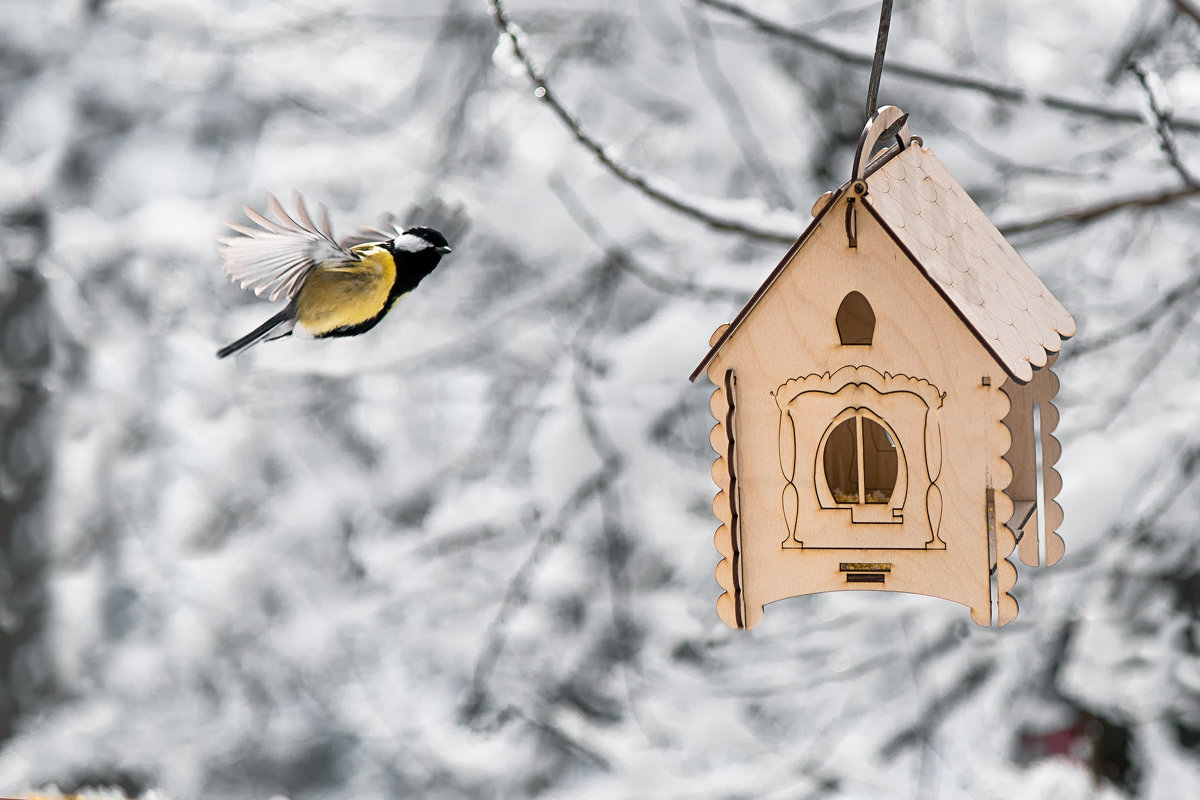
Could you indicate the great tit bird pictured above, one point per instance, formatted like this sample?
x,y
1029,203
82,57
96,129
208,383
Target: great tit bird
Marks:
x,y
333,288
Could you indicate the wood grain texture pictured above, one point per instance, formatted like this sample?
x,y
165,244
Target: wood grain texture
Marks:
x,y
1000,478
1021,458
791,333
972,265
908,408
1052,516
902,459
1035,397
819,206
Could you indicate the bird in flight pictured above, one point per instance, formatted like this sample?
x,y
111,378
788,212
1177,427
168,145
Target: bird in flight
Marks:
x,y
333,288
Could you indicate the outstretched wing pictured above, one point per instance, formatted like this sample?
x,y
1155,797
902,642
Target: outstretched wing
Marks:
x,y
274,258
367,233
452,221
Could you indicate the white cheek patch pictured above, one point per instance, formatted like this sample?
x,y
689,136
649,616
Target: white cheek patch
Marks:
x,y
409,243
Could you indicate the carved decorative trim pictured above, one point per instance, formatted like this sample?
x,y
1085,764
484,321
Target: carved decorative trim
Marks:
x,y
811,406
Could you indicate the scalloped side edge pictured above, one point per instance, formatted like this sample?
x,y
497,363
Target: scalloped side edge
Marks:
x,y
1052,482
1045,389
1006,540
723,538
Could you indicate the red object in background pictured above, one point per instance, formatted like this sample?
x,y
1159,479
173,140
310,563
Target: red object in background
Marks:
x,y
1072,743
1103,746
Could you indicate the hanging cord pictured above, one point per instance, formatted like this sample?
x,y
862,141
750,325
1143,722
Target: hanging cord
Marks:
x,y
885,22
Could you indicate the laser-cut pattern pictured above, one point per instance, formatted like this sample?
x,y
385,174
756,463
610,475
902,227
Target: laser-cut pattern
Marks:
x,y
811,408
857,475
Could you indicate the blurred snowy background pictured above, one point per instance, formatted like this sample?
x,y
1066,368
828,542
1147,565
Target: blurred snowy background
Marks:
x,y
469,554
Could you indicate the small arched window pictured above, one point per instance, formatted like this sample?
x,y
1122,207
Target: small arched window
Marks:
x,y
860,461
855,320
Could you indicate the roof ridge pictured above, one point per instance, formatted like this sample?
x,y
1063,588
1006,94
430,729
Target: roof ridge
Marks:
x,y
983,279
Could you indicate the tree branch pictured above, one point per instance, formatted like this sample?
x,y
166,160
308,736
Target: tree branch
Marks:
x,y
1188,9
543,92
1160,108
997,90
516,594
730,105
1185,290
1088,214
1150,360
624,259
1078,216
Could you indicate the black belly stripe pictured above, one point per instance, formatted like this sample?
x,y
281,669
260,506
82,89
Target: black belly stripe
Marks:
x,y
418,266
366,325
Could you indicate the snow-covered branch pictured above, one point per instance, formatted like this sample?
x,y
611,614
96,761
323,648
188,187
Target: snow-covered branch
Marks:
x,y
949,80
650,187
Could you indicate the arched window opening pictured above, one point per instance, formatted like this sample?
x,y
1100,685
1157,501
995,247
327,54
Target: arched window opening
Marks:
x,y
879,462
841,462
855,320
861,463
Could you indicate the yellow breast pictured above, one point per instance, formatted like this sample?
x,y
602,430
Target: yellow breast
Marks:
x,y
343,295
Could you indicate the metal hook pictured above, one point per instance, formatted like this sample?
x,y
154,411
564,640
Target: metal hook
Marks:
x,y
885,23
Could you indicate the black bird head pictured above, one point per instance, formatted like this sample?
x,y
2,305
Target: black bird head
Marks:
x,y
418,239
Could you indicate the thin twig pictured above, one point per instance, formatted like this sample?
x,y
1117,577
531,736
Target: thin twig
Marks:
x,y
517,593
543,92
1087,214
1078,216
1150,360
615,531
625,260
1186,290
1188,9
1163,122
730,105
991,88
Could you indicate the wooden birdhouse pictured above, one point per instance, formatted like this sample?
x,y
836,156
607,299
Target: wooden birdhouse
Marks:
x,y
884,400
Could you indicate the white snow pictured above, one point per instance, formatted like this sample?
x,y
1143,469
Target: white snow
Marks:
x,y
469,554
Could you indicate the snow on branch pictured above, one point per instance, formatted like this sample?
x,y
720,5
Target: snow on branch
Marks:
x,y
716,213
713,215
992,88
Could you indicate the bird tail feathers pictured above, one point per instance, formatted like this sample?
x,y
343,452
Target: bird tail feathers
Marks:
x,y
276,327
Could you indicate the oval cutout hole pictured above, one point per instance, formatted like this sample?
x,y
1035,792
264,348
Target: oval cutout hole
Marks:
x,y
855,320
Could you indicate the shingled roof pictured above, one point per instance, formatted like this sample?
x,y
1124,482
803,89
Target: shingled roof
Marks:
x,y
953,243
979,273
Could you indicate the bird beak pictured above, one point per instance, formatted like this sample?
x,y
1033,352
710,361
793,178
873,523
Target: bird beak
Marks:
x,y
444,249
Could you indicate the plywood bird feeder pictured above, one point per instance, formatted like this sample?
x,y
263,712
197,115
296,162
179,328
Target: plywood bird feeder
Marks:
x,y
884,400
